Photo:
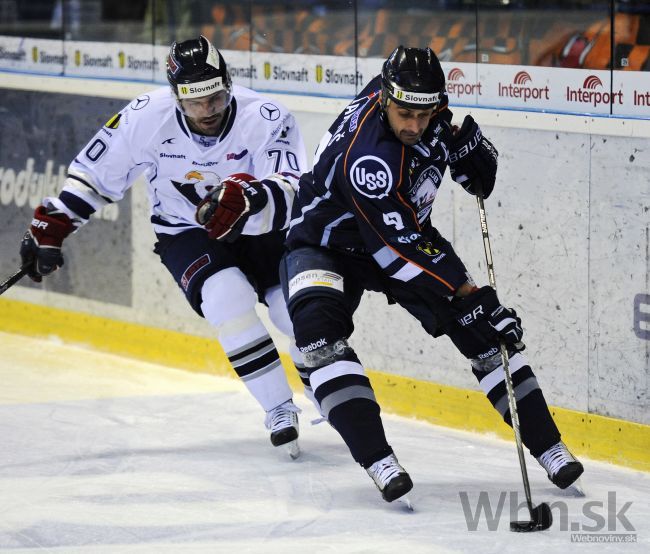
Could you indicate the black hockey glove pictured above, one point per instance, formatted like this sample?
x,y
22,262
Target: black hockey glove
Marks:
x,y
40,249
224,211
473,159
483,310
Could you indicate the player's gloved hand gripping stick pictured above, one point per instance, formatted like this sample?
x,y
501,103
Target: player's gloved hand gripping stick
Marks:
x,y
40,249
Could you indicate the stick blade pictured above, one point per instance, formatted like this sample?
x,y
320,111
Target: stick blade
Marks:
x,y
542,520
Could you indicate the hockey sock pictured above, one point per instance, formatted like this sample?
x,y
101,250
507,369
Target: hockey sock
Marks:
x,y
538,430
256,361
347,400
359,424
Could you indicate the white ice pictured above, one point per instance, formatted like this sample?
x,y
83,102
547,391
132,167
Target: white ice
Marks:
x,y
102,454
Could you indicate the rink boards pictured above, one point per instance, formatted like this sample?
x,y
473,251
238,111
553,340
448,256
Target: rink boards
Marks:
x,y
570,234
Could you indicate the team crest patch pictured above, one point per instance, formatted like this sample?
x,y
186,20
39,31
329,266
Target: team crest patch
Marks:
x,y
193,269
371,177
427,248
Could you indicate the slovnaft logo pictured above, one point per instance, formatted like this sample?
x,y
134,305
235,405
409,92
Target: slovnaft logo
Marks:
x,y
44,57
278,73
137,64
335,77
47,58
522,87
86,60
458,86
593,92
243,71
18,55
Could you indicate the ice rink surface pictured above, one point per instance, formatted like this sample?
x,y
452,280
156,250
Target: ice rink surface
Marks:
x,y
102,454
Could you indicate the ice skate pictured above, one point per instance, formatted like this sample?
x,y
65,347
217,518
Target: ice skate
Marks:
x,y
282,421
562,467
391,478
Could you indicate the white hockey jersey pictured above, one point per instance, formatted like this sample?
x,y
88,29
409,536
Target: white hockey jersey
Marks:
x,y
150,136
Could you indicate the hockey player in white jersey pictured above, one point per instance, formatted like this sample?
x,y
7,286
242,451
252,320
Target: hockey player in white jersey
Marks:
x,y
186,139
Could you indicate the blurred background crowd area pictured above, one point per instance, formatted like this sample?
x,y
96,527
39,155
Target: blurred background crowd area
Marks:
x,y
596,34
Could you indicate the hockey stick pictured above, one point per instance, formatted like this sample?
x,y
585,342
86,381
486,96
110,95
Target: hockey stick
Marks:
x,y
13,279
540,516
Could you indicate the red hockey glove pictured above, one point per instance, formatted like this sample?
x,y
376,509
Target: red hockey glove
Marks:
x,y
40,249
224,211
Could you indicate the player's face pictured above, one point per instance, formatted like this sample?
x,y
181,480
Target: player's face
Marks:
x,y
408,124
205,114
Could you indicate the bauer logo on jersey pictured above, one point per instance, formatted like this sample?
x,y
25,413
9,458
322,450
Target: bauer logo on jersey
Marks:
x,y
315,278
371,177
196,90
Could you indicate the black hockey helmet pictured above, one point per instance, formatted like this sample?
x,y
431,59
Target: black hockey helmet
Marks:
x,y
196,68
412,78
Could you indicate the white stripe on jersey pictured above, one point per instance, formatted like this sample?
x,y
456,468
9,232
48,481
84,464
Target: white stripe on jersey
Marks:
x,y
407,272
330,226
385,257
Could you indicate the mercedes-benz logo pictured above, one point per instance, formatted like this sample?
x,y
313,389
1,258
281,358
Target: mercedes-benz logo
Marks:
x,y
140,102
270,111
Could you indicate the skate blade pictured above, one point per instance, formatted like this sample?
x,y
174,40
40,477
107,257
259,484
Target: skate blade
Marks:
x,y
576,489
293,449
406,503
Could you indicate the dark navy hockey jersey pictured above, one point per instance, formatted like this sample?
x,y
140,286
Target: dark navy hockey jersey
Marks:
x,y
369,193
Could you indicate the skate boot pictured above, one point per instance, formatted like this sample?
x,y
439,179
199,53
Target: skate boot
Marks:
x,y
562,467
282,421
390,477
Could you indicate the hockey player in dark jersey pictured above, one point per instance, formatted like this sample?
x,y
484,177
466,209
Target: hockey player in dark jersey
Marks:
x,y
361,221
